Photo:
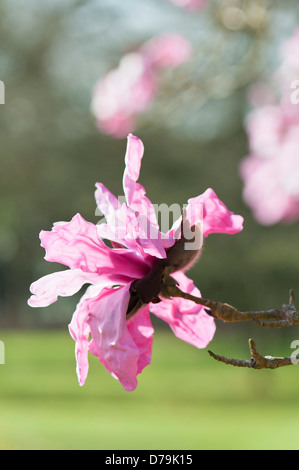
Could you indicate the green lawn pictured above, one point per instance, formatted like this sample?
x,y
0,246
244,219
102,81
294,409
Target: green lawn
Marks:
x,y
185,400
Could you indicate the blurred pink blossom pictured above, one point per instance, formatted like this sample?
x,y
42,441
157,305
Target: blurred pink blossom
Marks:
x,y
100,324
271,171
130,89
272,185
289,51
191,5
270,126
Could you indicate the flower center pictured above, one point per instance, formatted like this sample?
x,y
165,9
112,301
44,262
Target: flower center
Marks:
x,y
148,289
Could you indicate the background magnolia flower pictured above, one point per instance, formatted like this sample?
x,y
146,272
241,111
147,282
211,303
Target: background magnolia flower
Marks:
x,y
131,88
289,52
191,5
271,171
100,324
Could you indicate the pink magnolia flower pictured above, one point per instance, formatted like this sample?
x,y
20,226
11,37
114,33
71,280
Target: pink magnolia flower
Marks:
x,y
131,88
271,187
269,127
112,319
271,171
191,5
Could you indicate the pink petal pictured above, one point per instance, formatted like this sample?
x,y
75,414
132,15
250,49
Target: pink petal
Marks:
x,y
133,157
141,329
121,223
264,191
123,93
80,331
289,50
119,125
134,226
143,205
266,128
134,232
77,245
147,233
216,216
111,340
135,192
191,5
107,203
167,50
149,239
64,283
188,320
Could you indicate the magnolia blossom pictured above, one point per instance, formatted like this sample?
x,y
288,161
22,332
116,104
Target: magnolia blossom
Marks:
x,y
111,321
289,52
130,89
271,171
191,5
272,185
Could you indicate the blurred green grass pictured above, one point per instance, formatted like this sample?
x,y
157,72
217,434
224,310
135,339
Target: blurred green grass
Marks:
x,y
184,399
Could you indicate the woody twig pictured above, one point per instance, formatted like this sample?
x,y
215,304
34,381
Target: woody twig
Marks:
x,y
274,318
285,317
257,361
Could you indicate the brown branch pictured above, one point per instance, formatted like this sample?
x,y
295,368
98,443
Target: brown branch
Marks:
x,y
287,316
257,361
290,316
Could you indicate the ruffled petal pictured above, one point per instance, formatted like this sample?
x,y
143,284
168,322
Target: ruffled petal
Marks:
x,y
167,50
134,232
216,216
143,205
188,320
111,340
120,226
80,331
135,192
77,245
133,157
191,5
122,94
133,225
147,232
107,203
141,329
64,283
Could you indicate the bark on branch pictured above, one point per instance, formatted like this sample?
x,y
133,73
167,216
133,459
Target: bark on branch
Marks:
x,y
257,361
285,317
